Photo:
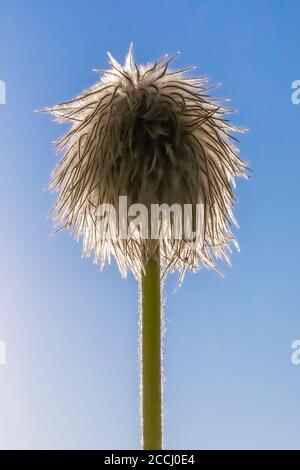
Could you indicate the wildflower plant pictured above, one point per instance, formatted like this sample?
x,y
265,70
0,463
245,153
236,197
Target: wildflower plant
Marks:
x,y
154,136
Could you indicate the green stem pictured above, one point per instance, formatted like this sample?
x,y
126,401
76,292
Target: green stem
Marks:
x,y
151,357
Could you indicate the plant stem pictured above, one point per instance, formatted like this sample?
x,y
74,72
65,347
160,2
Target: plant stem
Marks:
x,y
151,357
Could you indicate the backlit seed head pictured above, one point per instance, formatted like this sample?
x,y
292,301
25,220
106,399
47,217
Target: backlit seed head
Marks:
x,y
154,135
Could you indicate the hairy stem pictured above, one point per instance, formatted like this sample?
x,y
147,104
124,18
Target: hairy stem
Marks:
x,y
151,357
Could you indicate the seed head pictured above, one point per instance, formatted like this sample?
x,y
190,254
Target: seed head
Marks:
x,y
154,135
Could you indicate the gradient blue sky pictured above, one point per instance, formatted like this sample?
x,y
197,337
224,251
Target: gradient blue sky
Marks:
x,y
71,379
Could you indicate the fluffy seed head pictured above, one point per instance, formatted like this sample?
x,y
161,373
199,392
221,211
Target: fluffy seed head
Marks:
x,y
154,135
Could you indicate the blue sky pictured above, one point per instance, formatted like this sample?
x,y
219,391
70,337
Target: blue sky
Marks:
x,y
71,378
